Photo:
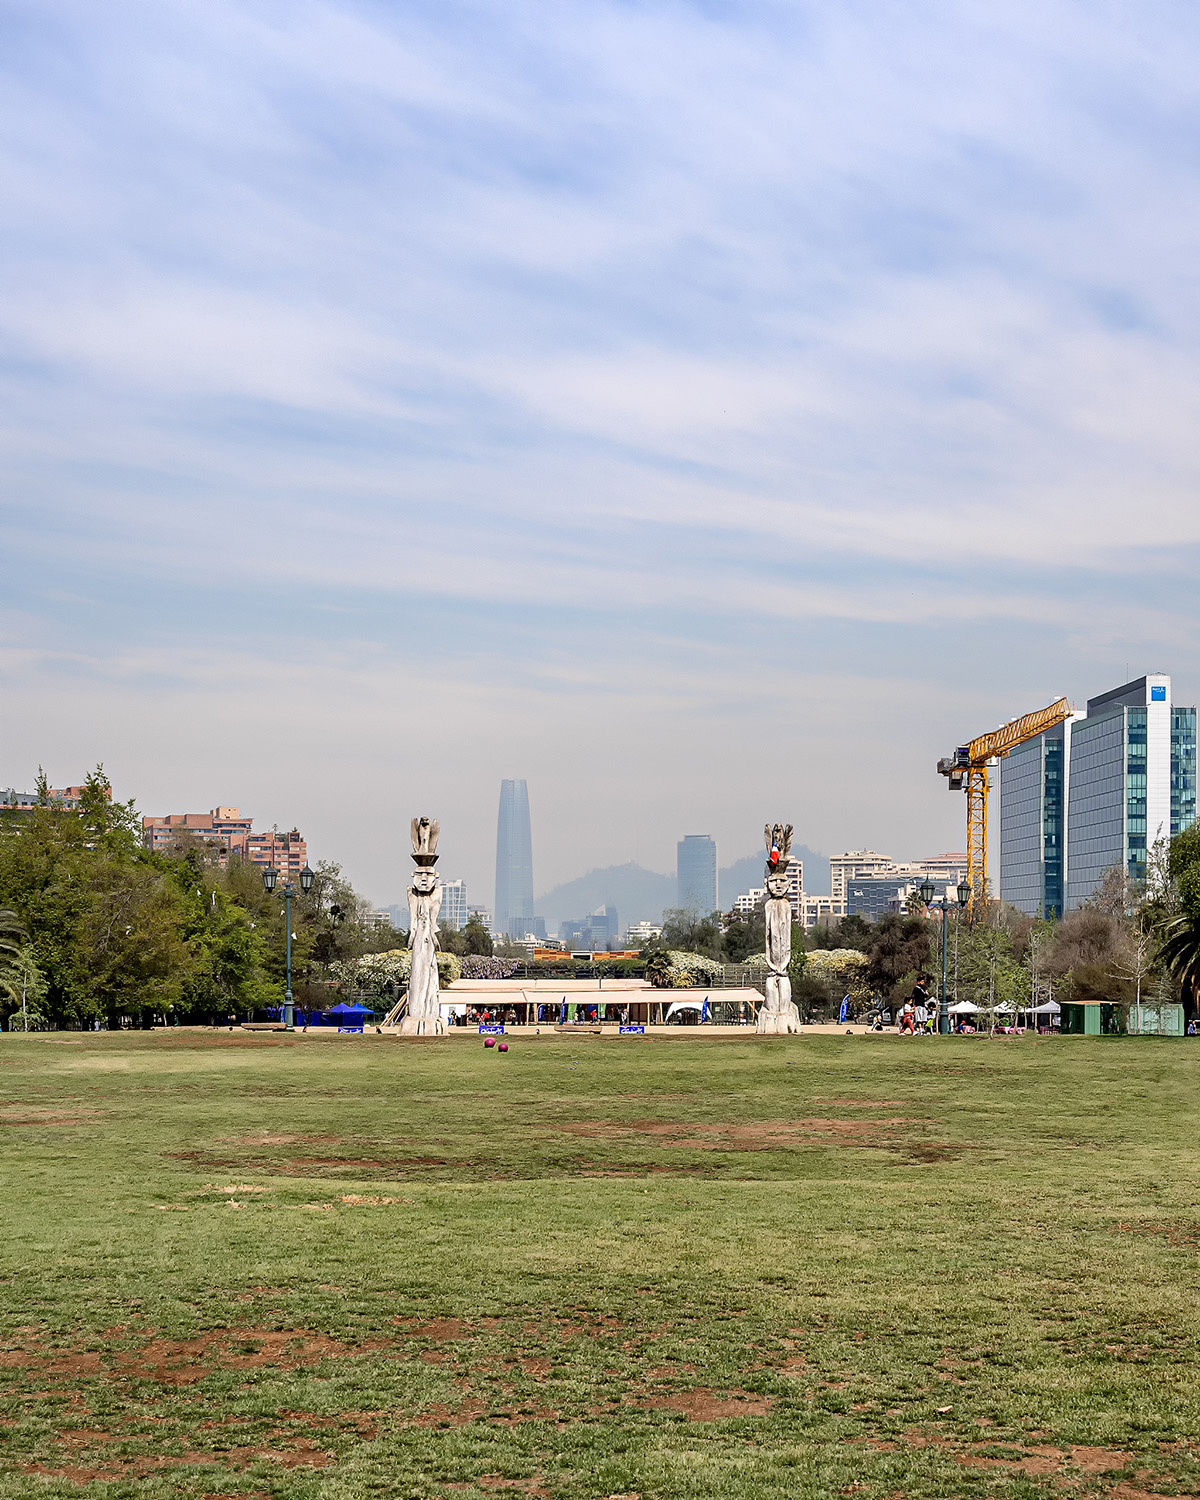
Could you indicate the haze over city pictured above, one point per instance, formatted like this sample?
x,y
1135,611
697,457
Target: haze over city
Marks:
x,y
710,413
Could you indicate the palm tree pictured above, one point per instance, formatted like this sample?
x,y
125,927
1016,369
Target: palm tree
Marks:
x,y
12,935
1181,951
13,938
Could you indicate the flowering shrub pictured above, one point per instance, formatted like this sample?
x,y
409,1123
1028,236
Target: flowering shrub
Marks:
x,y
840,971
838,965
477,966
449,968
375,971
669,969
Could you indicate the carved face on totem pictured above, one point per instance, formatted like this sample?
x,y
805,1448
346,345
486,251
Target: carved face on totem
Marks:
x,y
777,885
424,881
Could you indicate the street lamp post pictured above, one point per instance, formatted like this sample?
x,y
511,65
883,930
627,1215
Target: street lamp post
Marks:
x,y
270,875
963,895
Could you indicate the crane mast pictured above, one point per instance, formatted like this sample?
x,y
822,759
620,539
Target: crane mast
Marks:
x,y
967,770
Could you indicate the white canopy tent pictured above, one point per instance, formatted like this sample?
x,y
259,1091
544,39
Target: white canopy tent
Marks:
x,y
963,1008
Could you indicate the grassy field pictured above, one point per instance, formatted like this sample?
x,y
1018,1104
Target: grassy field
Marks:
x,y
259,1266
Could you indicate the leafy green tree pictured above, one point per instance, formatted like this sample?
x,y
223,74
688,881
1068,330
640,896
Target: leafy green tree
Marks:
x,y
451,940
13,937
990,974
851,932
1179,920
745,936
477,938
683,931
24,985
900,950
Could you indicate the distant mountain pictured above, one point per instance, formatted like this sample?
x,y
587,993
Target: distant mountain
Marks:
x,y
643,895
747,874
639,896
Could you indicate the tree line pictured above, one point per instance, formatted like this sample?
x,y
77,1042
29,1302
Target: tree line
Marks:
x,y
96,928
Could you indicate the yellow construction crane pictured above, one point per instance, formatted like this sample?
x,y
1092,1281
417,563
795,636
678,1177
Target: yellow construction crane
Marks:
x,y
969,764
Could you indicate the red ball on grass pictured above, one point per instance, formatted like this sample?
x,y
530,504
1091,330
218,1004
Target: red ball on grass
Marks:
x,y
503,1047
489,1041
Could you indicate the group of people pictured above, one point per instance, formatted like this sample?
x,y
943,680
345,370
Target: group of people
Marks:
x,y
918,1014
548,1014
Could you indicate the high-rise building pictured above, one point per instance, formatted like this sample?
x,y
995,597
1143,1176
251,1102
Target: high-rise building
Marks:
x,y
843,867
454,904
1096,792
696,872
514,861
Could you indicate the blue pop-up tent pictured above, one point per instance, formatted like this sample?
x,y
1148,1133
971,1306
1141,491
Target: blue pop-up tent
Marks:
x,y
349,1017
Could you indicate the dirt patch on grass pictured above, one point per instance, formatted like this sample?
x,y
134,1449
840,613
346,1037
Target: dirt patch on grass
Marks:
x,y
184,1361
534,1487
370,1200
1184,1235
36,1114
474,1410
88,1468
1036,1461
703,1405
442,1330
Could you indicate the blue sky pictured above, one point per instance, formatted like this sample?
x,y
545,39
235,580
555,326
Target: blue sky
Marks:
x,y
710,412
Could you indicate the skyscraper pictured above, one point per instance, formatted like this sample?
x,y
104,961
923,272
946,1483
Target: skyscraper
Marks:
x,y
696,872
1097,791
514,861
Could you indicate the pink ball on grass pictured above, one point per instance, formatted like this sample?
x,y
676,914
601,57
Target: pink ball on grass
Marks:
x,y
489,1041
503,1047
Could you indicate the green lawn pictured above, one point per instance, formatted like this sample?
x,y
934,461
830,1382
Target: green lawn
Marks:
x,y
663,1268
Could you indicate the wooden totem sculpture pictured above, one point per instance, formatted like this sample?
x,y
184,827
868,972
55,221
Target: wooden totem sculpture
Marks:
x,y
778,1016
423,1017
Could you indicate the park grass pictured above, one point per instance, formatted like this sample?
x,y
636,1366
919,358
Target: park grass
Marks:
x,y
666,1268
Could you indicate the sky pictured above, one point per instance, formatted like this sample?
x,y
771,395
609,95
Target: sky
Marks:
x,y
710,412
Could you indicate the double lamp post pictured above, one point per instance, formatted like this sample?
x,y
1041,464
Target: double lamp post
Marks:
x,y
287,890
963,893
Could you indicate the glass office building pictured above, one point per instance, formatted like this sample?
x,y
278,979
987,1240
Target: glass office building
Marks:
x,y
1098,791
1033,823
874,896
514,861
696,871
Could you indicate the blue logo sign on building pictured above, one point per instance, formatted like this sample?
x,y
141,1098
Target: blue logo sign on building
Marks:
x,y
1158,694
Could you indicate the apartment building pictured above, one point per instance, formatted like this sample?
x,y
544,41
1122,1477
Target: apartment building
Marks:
x,y
228,835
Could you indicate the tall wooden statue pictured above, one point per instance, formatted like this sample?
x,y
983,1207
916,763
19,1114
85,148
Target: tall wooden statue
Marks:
x,y
423,1017
778,1016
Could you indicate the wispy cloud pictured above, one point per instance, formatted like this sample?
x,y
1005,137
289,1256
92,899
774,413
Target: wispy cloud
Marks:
x,y
589,353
